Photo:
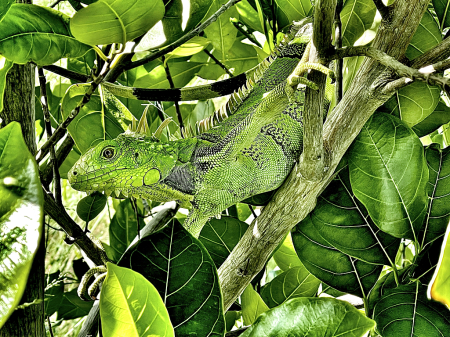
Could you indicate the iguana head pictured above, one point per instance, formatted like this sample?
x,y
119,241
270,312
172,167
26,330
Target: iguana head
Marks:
x,y
125,165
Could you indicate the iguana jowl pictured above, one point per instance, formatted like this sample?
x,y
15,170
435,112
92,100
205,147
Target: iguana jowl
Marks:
x,y
250,152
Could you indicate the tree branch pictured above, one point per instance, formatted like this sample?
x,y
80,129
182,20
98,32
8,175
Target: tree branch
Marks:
x,y
297,197
62,152
67,73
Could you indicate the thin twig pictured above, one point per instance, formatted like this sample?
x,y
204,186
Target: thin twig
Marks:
x,y
56,3
181,40
46,170
220,64
67,73
48,129
243,29
172,86
50,326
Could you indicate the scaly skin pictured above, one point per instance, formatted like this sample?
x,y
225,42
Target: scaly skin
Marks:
x,y
249,153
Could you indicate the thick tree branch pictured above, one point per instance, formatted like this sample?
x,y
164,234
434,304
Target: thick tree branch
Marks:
x,y
312,158
297,197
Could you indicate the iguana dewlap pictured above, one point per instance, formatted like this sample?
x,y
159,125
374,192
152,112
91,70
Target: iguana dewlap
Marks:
x,y
250,152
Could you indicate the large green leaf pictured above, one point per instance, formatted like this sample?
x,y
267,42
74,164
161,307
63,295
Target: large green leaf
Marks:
x,y
115,21
181,269
252,305
222,33
356,17
249,16
439,287
344,223
123,229
131,306
329,265
93,123
406,311
413,103
426,37
21,214
388,174
5,5
181,17
37,34
220,236
295,282
312,317
295,9
438,214
442,8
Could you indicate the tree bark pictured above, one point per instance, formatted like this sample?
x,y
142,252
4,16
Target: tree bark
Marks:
x,y
297,197
19,106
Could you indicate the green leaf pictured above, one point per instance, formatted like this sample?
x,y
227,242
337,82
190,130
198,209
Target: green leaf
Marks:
x,y
295,10
131,306
388,174
191,47
220,236
91,206
115,21
21,215
439,117
68,163
285,255
184,274
439,287
295,282
442,8
351,67
312,317
344,223
248,15
413,103
123,228
181,17
329,265
438,214
5,5
252,305
406,309
426,37
72,306
54,293
112,105
5,65
37,34
222,32
93,123
356,17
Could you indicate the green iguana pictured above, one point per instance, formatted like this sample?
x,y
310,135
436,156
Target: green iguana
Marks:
x,y
249,148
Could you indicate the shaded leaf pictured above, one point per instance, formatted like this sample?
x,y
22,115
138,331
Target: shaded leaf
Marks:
x,y
356,17
344,223
439,117
21,215
220,236
312,317
252,305
184,274
72,306
406,311
54,293
295,282
329,265
91,206
5,5
115,21
442,8
388,175
37,34
5,65
131,306
295,10
438,215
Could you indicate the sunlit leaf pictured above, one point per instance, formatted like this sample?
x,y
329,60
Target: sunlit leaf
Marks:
x,y
426,37
131,306
439,287
312,317
295,282
388,174
252,305
285,255
115,21
439,117
21,214
356,17
37,34
295,9
5,65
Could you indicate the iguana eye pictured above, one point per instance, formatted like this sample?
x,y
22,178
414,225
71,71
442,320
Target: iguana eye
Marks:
x,y
108,153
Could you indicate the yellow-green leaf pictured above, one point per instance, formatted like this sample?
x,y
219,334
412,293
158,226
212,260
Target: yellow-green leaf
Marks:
x,y
439,287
